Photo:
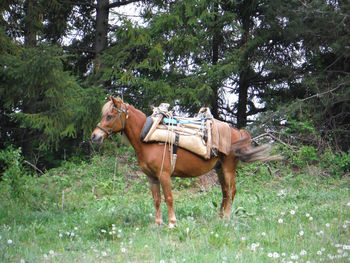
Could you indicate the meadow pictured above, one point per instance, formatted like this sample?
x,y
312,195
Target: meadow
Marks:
x,y
101,210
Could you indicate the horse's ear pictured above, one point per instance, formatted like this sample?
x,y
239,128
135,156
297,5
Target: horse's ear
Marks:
x,y
110,98
114,101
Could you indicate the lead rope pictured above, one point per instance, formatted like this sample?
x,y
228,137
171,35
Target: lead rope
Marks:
x,y
173,156
161,168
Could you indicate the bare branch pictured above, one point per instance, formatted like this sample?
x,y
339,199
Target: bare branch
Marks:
x,y
33,166
273,137
121,3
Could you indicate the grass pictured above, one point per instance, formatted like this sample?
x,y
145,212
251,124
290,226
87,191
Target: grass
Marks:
x,y
82,213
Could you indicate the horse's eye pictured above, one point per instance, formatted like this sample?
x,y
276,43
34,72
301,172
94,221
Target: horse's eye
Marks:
x,y
109,117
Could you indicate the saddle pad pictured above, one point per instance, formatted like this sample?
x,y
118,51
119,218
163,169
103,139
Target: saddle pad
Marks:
x,y
221,136
192,143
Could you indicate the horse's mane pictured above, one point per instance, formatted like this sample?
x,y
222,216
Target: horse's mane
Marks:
x,y
109,106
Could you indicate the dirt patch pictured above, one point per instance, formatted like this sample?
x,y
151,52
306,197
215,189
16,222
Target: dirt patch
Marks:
x,y
208,180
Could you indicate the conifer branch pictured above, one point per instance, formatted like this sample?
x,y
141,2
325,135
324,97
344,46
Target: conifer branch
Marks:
x,y
121,3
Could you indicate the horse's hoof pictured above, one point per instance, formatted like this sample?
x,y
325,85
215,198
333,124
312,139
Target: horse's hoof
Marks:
x,y
171,225
159,222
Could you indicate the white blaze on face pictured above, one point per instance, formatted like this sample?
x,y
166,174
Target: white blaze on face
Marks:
x,y
98,136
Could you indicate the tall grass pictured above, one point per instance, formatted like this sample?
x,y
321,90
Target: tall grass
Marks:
x,y
88,213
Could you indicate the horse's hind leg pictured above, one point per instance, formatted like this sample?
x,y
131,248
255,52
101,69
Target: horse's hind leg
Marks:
x,y
226,174
157,198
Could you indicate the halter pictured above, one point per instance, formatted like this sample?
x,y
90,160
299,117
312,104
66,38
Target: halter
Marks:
x,y
109,132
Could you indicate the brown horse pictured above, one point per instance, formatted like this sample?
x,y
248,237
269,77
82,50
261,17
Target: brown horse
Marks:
x,y
118,116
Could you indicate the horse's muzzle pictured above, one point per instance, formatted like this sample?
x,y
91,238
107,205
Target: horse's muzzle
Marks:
x,y
96,138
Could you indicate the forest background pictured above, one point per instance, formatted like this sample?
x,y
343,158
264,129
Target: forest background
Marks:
x,y
278,68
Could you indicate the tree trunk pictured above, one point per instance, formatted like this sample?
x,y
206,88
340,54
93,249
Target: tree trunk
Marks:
x,y
242,100
30,19
215,59
243,83
102,13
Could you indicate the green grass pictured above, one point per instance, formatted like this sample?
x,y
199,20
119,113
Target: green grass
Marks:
x,y
81,213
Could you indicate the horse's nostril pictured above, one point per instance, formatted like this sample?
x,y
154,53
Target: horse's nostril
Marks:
x,y
93,137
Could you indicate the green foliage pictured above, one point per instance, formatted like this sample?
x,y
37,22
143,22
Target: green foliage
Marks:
x,y
79,212
338,163
14,175
305,155
51,100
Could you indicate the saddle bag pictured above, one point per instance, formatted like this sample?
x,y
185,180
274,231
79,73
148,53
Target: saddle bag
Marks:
x,y
193,134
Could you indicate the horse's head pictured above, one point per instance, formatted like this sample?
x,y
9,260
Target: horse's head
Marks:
x,y
114,116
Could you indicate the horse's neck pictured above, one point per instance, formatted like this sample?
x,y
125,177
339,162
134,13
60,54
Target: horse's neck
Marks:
x,y
133,127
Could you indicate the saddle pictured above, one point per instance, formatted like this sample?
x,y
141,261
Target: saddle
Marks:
x,y
202,135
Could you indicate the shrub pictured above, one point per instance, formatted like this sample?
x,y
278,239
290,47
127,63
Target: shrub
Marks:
x,y
14,174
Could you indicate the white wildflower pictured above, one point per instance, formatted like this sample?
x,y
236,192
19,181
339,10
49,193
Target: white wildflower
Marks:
x,y
307,215
103,231
123,250
303,252
328,225
270,255
292,212
319,252
301,233
311,218
346,247
320,233
275,255
263,234
103,253
280,220
9,241
51,252
254,246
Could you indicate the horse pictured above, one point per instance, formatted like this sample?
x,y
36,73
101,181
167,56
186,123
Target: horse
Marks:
x,y
154,160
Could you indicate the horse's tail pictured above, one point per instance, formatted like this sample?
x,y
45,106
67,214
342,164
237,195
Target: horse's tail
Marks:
x,y
246,153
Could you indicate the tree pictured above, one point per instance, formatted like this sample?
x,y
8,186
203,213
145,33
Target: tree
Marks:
x,y
196,51
43,104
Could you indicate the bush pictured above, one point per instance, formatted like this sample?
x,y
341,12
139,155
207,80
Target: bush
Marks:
x,y
14,174
338,163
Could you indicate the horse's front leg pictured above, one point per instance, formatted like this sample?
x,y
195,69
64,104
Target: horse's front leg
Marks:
x,y
157,198
165,181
